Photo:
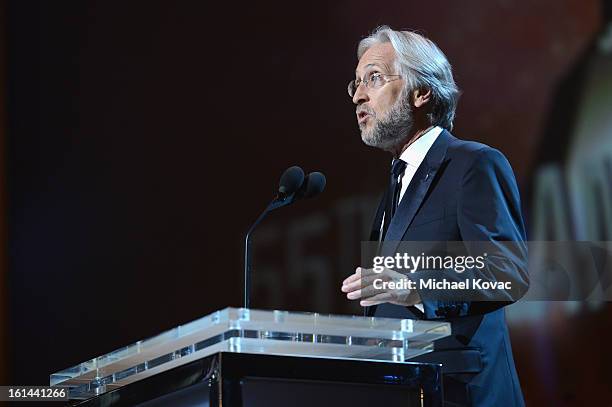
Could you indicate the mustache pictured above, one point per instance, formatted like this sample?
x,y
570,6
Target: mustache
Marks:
x,y
365,109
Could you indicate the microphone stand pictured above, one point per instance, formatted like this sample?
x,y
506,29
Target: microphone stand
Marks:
x,y
279,201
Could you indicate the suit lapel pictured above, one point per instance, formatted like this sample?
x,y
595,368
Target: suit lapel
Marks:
x,y
417,190
375,233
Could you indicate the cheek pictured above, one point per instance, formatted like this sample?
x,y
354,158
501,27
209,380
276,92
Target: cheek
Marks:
x,y
384,106
385,101
393,96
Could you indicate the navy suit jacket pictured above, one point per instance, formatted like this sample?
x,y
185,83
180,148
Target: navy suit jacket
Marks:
x,y
466,191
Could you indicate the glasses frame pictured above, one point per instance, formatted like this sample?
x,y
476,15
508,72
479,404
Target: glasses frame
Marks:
x,y
355,83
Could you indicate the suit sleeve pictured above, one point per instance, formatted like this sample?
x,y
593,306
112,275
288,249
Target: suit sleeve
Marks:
x,y
489,219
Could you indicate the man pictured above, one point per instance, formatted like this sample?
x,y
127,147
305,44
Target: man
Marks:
x,y
441,189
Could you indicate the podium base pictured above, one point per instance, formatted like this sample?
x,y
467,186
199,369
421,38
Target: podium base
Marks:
x,y
253,380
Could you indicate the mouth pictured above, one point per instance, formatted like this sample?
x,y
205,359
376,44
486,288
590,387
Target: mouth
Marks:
x,y
362,117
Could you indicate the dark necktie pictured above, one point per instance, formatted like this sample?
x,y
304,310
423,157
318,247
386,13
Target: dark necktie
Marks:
x,y
395,186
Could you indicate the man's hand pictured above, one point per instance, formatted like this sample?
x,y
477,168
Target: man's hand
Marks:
x,y
361,286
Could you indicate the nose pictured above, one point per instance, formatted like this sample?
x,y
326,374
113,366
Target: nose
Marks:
x,y
360,96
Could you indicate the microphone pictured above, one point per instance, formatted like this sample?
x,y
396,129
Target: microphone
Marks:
x,y
291,187
313,185
291,180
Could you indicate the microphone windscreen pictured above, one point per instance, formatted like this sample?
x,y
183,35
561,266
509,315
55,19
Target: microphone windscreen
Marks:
x,y
315,184
291,180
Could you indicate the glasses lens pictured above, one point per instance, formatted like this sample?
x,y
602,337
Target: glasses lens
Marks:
x,y
376,81
351,88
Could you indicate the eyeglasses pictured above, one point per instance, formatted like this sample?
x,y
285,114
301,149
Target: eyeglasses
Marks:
x,y
376,80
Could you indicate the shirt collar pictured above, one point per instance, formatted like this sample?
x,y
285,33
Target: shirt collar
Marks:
x,y
416,152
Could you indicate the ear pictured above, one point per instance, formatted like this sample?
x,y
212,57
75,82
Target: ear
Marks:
x,y
420,97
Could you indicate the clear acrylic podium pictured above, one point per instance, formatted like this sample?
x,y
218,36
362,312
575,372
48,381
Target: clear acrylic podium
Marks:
x,y
241,356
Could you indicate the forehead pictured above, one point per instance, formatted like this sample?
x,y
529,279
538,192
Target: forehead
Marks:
x,y
381,56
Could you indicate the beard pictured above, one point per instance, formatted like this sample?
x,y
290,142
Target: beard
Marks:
x,y
389,131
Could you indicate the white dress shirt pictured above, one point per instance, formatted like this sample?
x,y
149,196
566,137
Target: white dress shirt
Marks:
x,y
414,156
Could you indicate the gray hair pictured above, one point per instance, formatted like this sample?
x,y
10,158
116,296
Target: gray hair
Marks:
x,y
425,66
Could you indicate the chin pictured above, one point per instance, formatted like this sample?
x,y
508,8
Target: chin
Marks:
x,y
368,140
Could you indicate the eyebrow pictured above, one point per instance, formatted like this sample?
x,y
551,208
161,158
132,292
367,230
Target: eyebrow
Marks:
x,y
374,65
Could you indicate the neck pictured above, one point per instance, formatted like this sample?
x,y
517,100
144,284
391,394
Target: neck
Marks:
x,y
412,137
